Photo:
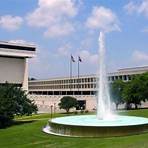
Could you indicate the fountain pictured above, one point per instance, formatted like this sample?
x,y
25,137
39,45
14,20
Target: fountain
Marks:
x,y
103,104
105,124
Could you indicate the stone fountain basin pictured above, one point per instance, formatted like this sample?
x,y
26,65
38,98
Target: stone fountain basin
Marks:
x,y
90,126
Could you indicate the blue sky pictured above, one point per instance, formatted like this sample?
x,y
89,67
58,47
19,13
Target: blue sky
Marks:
x,y
61,27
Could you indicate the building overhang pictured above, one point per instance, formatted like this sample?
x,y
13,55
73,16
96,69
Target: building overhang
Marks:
x,y
8,49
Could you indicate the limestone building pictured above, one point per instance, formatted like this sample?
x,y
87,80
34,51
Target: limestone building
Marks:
x,y
14,63
47,93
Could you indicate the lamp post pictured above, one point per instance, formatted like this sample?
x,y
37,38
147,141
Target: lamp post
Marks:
x,y
51,111
54,108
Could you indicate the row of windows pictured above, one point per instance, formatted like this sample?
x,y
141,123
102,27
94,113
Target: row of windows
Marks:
x,y
121,77
63,92
80,81
76,86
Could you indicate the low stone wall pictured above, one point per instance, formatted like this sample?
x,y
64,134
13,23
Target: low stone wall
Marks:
x,y
44,102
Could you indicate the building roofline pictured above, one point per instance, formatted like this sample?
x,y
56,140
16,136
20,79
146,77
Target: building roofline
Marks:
x,y
133,68
21,44
17,46
91,75
64,77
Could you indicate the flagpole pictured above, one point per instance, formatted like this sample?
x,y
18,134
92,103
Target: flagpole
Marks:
x,y
71,60
78,75
70,72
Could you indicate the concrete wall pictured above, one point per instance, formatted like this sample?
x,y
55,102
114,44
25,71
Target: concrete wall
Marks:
x,y
11,70
44,102
14,70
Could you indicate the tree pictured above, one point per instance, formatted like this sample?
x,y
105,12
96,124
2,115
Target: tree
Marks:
x,y
67,102
116,92
31,79
14,101
136,90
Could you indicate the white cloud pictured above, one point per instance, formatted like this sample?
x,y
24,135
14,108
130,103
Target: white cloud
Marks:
x,y
139,8
10,23
20,41
54,16
104,19
130,7
140,57
59,30
145,30
88,57
65,50
144,8
40,66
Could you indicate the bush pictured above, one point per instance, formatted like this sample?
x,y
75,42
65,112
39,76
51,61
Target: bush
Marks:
x,y
75,112
14,101
5,121
86,111
82,111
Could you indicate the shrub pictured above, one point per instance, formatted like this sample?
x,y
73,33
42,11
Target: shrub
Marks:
x,y
14,101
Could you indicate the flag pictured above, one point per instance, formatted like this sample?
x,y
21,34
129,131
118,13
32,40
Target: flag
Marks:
x,y
80,59
72,59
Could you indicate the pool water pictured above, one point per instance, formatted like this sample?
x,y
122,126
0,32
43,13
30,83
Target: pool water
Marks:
x,y
91,120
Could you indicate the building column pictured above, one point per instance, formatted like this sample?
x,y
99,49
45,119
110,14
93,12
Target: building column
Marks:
x,y
25,80
127,77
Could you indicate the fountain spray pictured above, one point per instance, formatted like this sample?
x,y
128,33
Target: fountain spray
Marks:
x,y
103,98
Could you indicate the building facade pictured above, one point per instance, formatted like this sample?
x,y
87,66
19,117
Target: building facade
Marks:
x,y
47,93
14,63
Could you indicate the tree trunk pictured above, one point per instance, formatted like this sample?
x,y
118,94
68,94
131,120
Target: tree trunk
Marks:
x,y
136,106
116,106
128,106
67,110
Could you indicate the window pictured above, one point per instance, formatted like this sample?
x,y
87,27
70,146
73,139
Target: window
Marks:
x,y
113,78
120,77
124,77
116,77
83,80
86,79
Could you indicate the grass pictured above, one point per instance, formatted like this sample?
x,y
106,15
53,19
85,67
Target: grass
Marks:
x,y
28,134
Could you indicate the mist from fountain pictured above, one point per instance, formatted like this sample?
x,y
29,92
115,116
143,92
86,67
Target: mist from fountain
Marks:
x,y
103,98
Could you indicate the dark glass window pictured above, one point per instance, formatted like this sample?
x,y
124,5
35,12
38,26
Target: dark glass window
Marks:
x,y
17,47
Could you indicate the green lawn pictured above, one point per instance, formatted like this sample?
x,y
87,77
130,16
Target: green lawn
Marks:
x,y
27,133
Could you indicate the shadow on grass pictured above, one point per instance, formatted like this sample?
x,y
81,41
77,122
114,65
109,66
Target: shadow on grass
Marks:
x,y
16,123
22,122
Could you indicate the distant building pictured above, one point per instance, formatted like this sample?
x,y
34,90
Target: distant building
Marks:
x,y
14,63
47,93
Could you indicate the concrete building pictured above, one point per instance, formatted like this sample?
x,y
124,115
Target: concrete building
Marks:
x,y
47,93
14,63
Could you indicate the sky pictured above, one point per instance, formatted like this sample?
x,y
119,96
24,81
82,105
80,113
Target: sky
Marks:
x,y
59,28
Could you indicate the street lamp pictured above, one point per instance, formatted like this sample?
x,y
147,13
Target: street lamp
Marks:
x,y
51,111
54,108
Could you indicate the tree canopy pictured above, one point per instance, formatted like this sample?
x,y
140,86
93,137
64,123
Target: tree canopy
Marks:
x,y
134,91
14,101
67,102
116,92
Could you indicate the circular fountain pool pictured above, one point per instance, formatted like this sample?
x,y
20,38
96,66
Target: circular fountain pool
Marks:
x,y
90,126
